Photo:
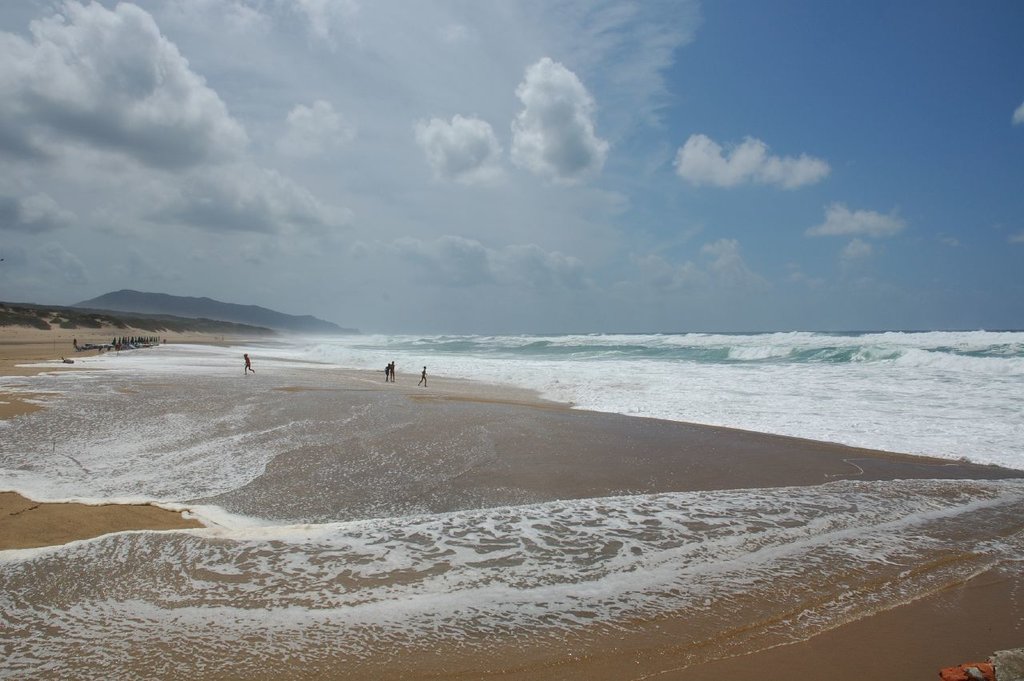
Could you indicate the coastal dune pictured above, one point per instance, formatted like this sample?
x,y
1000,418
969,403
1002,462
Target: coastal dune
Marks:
x,y
564,543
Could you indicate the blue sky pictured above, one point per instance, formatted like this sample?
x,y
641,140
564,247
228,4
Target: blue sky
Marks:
x,y
502,167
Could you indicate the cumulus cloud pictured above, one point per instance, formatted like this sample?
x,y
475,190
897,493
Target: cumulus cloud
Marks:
x,y
702,161
531,265
314,130
723,267
109,79
856,249
35,213
554,133
728,265
663,275
325,18
798,276
465,150
457,261
449,260
1018,115
246,198
841,221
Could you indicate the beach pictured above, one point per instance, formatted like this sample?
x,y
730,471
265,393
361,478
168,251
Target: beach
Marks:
x,y
312,521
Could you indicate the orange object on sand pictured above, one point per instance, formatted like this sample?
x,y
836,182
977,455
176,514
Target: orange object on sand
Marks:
x,y
963,672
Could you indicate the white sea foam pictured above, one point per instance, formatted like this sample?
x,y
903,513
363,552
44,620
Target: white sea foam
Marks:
x,y
949,394
387,584
776,564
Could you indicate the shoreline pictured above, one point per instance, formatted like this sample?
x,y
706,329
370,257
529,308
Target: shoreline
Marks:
x,y
24,345
26,523
794,461
534,449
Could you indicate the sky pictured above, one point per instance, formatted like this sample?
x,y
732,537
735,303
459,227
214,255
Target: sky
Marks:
x,y
536,166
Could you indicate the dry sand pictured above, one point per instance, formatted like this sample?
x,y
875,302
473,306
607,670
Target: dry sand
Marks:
x,y
27,524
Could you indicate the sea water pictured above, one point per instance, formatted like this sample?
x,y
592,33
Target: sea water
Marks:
x,y
952,394
274,589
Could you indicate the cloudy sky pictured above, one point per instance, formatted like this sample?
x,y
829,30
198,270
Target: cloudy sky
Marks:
x,y
500,166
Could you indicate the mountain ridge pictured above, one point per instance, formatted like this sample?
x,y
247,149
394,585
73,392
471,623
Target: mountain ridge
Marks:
x,y
141,302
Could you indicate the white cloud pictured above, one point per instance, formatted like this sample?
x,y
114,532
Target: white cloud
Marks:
x,y
110,80
841,221
554,133
314,130
728,266
218,16
701,161
531,265
34,213
460,262
325,17
856,249
1017,238
724,268
1018,115
465,150
246,198
663,275
798,276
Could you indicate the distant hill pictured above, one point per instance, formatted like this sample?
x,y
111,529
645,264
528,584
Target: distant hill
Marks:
x,y
207,308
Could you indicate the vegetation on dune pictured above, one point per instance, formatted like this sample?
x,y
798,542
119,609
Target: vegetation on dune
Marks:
x,y
46,317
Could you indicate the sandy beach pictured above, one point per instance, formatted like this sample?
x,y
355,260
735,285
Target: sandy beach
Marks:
x,y
25,523
498,447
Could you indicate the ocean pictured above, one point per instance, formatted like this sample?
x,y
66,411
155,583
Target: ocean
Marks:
x,y
331,551
952,394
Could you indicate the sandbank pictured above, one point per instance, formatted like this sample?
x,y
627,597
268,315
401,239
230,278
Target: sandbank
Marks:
x,y
26,524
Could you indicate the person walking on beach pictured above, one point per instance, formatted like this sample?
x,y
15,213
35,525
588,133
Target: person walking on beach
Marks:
x,y
387,373
392,371
423,378
248,365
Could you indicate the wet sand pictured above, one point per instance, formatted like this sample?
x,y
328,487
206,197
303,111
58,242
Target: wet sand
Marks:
x,y
909,642
21,346
28,524
530,450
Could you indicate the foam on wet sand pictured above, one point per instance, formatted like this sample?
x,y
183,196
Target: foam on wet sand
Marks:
x,y
470,530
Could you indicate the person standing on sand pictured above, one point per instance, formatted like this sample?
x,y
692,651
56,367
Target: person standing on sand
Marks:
x,y
248,365
423,378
